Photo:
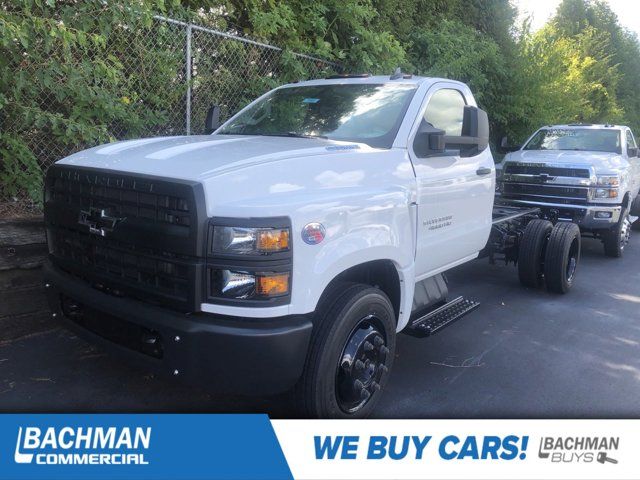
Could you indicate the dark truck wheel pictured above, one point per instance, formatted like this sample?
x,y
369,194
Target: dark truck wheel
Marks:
x,y
562,257
531,252
635,211
350,356
616,239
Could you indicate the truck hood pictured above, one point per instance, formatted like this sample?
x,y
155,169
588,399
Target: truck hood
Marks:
x,y
602,162
201,157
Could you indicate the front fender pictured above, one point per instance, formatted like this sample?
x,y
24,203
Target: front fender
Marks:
x,y
380,228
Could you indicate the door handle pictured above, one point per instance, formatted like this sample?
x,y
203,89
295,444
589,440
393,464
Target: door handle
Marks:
x,y
483,171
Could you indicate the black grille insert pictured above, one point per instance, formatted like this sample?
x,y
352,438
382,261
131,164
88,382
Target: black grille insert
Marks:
x,y
154,252
124,196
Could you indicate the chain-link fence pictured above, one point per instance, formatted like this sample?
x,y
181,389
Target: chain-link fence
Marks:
x,y
176,71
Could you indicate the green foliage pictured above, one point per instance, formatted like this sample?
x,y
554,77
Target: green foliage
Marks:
x,y
66,82
341,30
75,74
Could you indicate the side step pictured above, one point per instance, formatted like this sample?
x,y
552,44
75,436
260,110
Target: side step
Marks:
x,y
436,320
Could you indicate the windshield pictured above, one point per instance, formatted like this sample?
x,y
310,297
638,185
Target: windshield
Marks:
x,y
367,113
581,139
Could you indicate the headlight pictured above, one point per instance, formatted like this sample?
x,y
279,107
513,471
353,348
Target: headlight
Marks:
x,y
609,180
249,285
604,193
249,241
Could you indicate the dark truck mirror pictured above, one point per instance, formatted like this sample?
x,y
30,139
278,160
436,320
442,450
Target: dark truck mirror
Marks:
x,y
475,133
429,140
212,122
632,151
506,148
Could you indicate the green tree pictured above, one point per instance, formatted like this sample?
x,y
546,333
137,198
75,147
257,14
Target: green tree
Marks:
x,y
67,81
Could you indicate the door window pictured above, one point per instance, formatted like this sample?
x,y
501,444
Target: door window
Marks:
x,y
445,111
630,140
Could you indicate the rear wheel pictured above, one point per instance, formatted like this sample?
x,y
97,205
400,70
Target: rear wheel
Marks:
x,y
350,356
616,239
562,257
531,252
635,211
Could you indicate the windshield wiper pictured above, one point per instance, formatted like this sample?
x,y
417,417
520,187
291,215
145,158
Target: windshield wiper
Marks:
x,y
293,134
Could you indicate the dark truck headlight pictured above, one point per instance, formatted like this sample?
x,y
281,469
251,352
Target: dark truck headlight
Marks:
x,y
246,285
249,241
249,261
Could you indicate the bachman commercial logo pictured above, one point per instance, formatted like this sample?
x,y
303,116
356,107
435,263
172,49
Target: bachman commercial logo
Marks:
x,y
83,445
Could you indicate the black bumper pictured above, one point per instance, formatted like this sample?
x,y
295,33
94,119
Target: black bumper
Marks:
x,y
226,354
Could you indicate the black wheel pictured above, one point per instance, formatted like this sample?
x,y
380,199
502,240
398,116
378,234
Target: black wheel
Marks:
x,y
635,211
531,252
616,239
635,207
350,356
562,257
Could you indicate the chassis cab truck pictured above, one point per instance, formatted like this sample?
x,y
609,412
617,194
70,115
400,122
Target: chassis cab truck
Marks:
x,y
286,250
582,173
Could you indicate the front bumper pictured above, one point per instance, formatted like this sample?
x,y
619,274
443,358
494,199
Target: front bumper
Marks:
x,y
589,217
226,354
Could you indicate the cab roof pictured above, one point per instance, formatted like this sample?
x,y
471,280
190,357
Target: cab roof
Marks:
x,y
373,79
587,126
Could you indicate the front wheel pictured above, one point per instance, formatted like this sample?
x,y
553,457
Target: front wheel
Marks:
x,y
350,356
616,239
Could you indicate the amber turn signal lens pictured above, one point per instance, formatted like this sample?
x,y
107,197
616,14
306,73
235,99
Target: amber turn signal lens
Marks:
x,y
272,285
274,240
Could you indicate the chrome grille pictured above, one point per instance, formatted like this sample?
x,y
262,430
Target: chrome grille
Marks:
x,y
547,183
546,193
541,169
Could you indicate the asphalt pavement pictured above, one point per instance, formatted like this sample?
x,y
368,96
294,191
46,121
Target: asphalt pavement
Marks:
x,y
523,353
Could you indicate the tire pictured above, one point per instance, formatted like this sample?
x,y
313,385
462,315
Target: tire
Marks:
x,y
562,257
531,252
355,322
635,211
635,206
616,239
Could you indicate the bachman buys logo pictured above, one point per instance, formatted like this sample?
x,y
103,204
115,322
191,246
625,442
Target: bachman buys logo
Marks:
x,y
578,449
83,445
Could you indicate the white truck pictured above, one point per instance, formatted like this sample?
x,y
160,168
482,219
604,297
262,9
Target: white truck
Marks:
x,y
582,173
287,249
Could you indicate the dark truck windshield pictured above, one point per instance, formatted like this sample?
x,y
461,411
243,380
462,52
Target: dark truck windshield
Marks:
x,y
581,139
367,113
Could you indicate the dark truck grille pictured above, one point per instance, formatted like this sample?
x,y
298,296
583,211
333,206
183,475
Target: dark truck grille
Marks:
x,y
128,235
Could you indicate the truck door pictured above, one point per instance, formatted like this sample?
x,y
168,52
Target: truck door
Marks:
x,y
454,193
634,161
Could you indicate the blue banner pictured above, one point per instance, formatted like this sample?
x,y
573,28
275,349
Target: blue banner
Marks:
x,y
158,446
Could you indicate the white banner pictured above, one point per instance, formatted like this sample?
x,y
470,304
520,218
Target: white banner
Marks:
x,y
461,449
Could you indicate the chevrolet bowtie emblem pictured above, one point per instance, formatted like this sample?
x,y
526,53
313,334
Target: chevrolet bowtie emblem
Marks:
x,y
98,221
545,177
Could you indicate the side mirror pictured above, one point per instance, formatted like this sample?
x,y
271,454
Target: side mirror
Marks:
x,y
475,133
632,151
212,122
429,141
